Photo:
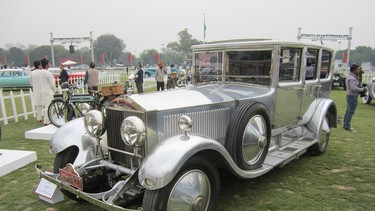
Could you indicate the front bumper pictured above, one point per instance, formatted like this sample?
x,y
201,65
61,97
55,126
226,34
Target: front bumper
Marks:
x,y
53,178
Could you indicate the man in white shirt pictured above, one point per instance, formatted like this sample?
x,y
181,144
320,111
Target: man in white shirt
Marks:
x,y
44,87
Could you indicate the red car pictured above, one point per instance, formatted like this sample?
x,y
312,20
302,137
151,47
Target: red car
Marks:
x,y
72,76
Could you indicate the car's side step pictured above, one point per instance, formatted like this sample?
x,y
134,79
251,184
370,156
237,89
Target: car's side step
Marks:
x,y
289,152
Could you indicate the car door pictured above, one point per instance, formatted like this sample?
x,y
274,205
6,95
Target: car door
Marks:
x,y
289,91
309,71
5,78
325,72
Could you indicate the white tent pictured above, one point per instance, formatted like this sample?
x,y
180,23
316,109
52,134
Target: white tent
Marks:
x,y
69,62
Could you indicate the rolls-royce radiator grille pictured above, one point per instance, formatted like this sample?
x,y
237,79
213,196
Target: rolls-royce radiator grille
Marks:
x,y
114,119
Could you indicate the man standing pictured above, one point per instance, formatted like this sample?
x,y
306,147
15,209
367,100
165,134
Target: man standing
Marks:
x,y
63,74
159,77
352,91
92,78
139,78
44,87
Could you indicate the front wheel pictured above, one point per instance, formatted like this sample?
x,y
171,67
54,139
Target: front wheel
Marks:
x,y
195,187
59,113
367,99
63,158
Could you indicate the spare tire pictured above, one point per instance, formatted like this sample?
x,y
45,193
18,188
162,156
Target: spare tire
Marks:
x,y
248,135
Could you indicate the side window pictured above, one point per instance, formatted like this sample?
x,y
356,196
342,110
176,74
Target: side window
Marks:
x,y
311,64
290,64
249,66
6,74
325,66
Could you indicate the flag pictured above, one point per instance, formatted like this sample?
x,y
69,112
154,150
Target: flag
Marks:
x,y
27,59
129,58
80,59
102,58
157,58
204,27
344,57
4,59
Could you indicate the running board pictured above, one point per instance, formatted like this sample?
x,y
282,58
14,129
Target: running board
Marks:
x,y
289,152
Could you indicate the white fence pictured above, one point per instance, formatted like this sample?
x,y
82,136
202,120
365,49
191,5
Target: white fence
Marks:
x,y
25,110
15,106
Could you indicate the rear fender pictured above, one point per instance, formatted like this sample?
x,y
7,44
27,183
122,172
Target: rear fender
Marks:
x,y
316,113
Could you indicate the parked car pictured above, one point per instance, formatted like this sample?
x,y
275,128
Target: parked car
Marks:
x,y
14,78
165,148
370,93
149,71
339,80
72,75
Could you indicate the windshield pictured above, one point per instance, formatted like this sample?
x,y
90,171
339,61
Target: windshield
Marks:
x,y
250,66
208,67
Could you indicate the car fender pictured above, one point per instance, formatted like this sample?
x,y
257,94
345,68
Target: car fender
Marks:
x,y
315,114
73,134
371,89
164,162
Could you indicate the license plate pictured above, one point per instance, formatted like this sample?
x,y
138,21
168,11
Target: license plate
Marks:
x,y
70,176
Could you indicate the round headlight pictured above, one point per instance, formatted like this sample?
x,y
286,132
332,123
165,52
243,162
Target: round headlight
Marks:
x,y
94,123
84,107
185,123
133,131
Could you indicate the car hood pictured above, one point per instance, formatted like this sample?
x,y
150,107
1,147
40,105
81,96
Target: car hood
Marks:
x,y
190,97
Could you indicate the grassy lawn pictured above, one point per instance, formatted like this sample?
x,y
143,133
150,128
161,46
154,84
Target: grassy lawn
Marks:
x,y
341,179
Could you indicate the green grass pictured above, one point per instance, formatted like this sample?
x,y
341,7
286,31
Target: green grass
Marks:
x,y
341,179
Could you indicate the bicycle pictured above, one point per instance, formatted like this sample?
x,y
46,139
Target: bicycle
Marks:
x,y
69,106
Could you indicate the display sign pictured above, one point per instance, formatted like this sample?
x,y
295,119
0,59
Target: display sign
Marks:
x,y
330,37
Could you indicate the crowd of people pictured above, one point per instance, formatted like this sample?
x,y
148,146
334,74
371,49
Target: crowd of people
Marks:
x,y
160,74
43,84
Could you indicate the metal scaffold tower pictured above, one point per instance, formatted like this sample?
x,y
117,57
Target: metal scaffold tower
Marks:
x,y
330,37
72,40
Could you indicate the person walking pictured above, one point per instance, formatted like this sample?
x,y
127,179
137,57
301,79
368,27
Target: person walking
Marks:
x,y
352,93
139,78
92,78
43,83
159,77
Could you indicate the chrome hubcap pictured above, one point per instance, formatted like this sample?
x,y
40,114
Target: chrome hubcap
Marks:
x,y
254,139
191,192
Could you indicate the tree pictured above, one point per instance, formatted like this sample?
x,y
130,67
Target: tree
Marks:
x,y
147,57
16,57
110,46
359,55
180,52
186,41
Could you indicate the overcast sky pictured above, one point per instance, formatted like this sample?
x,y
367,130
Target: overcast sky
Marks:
x,y
149,24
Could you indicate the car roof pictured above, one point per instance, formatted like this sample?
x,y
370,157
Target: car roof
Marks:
x,y
243,43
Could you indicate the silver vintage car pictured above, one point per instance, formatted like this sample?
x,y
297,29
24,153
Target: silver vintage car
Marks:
x,y
253,105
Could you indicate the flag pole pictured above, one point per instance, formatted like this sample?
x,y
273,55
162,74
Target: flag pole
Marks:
x,y
204,27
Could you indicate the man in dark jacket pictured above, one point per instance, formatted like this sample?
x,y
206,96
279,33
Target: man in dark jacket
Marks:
x,y
63,74
139,78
